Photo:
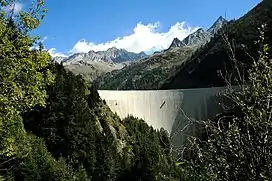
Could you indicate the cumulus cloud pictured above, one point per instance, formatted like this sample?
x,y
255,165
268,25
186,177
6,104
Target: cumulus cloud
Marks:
x,y
54,53
145,38
17,7
51,51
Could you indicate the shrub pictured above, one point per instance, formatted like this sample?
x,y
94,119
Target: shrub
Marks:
x,y
238,145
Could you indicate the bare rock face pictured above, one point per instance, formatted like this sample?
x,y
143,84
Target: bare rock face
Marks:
x,y
112,55
219,23
176,43
93,64
200,36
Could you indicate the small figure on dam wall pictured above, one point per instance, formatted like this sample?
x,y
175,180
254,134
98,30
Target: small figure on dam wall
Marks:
x,y
162,104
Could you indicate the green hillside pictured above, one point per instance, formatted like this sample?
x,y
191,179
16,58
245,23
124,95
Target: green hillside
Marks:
x,y
55,127
137,76
203,69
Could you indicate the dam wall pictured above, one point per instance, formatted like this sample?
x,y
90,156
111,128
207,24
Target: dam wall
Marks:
x,y
170,109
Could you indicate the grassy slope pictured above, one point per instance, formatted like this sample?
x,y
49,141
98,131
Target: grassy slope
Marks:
x,y
91,71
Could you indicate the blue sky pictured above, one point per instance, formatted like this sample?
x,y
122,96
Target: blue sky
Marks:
x,y
136,25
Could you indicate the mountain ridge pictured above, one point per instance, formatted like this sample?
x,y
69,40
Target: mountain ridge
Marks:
x,y
95,63
157,67
211,65
111,55
200,36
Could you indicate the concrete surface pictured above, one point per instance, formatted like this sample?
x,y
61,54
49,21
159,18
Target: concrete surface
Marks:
x,y
170,109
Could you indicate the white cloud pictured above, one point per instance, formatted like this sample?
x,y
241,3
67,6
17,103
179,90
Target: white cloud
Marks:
x,y
53,53
17,7
35,46
144,38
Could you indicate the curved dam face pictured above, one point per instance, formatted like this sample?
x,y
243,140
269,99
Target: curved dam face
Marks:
x,y
170,109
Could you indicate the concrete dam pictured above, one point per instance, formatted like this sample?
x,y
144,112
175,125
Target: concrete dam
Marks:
x,y
168,109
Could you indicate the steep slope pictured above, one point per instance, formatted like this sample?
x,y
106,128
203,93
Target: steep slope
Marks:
x,y
219,23
197,38
77,129
200,36
91,70
176,43
148,73
204,67
151,72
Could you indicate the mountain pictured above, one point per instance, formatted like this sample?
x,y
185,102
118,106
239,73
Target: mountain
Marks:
x,y
200,36
211,65
176,43
76,136
59,59
220,22
159,66
93,64
151,72
148,73
112,55
93,69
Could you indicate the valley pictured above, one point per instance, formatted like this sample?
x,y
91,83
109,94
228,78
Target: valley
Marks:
x,y
197,109
139,70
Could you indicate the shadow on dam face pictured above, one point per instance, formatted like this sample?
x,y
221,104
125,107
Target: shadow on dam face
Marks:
x,y
170,109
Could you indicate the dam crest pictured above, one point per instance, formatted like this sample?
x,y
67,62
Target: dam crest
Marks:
x,y
168,109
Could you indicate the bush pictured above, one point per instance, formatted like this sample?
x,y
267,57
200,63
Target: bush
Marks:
x,y
238,146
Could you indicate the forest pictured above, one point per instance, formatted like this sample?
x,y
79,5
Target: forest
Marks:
x,y
54,126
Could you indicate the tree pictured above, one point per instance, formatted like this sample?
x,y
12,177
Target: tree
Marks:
x,y
238,145
66,123
40,165
23,73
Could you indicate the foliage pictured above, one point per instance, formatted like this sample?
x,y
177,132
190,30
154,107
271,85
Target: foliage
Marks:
x,y
238,146
39,165
64,131
66,124
23,75
76,126
151,149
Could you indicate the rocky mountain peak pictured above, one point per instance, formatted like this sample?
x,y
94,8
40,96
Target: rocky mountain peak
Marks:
x,y
111,55
196,38
220,20
142,53
219,23
200,36
59,59
176,43
113,49
200,30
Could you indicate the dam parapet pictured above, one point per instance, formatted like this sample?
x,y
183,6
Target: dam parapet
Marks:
x,y
169,109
